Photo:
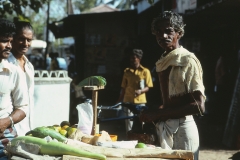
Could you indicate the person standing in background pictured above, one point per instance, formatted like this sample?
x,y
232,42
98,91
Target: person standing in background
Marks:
x,y
13,90
54,65
21,43
135,83
71,66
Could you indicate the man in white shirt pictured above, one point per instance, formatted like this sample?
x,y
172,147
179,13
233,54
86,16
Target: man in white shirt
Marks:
x,y
13,95
21,43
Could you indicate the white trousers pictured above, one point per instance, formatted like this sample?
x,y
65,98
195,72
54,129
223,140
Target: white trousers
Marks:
x,y
185,137
128,122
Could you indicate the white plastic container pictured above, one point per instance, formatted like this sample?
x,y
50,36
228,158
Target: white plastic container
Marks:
x,y
51,97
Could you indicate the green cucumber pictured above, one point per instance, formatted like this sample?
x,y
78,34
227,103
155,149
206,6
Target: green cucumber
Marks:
x,y
42,132
54,148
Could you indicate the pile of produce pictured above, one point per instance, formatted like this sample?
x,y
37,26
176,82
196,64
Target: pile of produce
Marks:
x,y
54,148
58,132
52,141
64,139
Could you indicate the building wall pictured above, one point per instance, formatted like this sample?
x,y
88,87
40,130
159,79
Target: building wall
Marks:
x,y
105,38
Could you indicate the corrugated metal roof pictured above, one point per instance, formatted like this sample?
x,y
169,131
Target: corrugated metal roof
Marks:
x,y
101,8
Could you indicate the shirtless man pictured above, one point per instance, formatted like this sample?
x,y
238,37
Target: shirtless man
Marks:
x,y
181,84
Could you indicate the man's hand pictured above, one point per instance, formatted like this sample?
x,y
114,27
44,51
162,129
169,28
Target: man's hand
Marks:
x,y
4,123
141,91
138,92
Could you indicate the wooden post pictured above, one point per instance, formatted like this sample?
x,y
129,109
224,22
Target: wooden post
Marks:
x,y
94,105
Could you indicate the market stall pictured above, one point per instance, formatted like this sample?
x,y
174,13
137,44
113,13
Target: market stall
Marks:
x,y
30,148
68,142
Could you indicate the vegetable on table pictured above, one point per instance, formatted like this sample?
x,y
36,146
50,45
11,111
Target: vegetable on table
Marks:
x,y
53,148
140,145
42,132
93,81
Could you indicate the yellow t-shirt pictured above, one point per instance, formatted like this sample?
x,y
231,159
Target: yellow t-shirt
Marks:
x,y
131,82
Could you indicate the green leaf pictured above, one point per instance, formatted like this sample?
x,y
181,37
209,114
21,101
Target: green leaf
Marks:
x,y
23,18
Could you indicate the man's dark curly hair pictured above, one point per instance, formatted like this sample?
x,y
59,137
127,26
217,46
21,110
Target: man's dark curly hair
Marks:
x,y
176,21
7,28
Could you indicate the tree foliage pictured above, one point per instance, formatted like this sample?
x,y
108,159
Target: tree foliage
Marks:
x,y
34,11
122,4
17,6
84,5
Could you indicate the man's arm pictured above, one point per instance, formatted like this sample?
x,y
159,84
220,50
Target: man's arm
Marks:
x,y
140,91
148,83
196,106
123,86
19,98
15,117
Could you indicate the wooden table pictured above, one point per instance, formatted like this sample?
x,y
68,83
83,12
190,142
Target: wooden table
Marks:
x,y
94,89
68,157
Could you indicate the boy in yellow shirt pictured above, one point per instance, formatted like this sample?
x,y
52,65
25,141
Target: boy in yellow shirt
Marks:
x,y
135,83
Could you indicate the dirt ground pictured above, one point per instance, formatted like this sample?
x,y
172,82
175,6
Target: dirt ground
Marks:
x,y
211,131
219,154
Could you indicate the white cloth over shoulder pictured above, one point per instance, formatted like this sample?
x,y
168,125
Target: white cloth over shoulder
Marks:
x,y
186,73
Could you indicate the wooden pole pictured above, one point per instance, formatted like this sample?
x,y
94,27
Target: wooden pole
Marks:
x,y
94,89
94,105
